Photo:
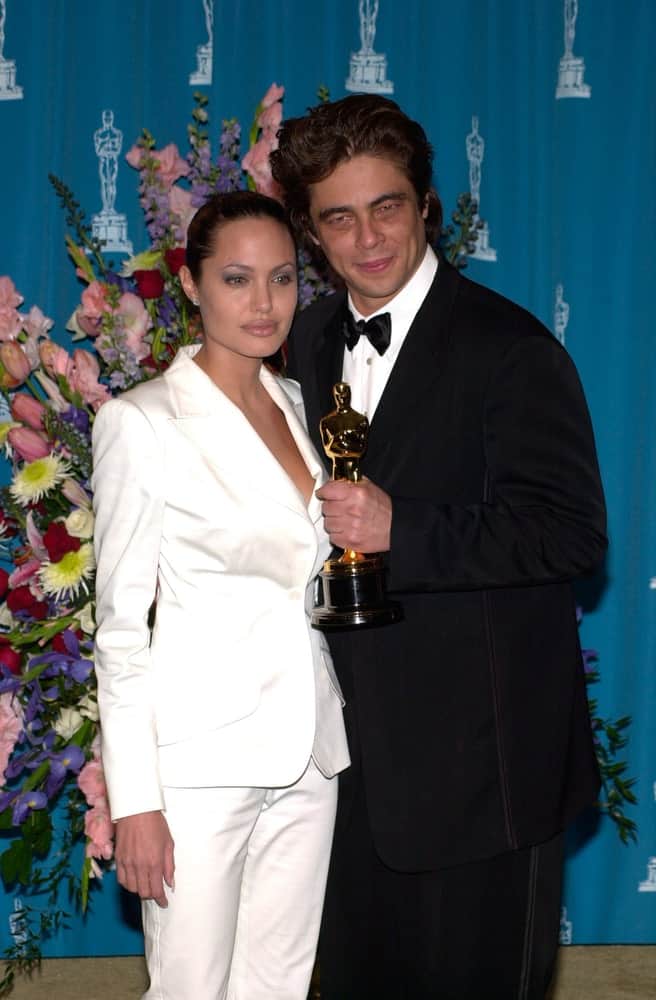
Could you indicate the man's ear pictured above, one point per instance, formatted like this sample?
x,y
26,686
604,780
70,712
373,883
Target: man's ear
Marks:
x,y
188,284
424,211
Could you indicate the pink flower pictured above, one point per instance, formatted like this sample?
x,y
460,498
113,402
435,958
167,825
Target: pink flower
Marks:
x,y
273,94
136,322
91,781
134,156
11,323
11,723
55,359
36,324
180,203
23,574
52,392
94,301
28,444
74,492
84,379
28,410
15,362
98,828
256,163
270,119
170,165
35,538
9,297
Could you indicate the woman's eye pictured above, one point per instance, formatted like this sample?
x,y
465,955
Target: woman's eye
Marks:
x,y
284,279
235,279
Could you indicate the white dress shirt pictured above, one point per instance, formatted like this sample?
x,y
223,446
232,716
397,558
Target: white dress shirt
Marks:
x,y
365,370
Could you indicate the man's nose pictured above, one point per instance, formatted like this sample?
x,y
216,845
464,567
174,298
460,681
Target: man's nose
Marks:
x,y
367,234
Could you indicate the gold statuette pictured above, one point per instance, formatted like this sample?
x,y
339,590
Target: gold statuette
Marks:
x,y
353,583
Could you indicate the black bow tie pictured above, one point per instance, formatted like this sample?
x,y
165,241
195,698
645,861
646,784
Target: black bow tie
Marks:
x,y
378,330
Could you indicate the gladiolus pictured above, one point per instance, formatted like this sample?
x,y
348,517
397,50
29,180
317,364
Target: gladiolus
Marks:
x,y
28,410
28,444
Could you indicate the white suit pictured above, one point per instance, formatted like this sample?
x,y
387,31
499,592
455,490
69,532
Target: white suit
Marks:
x,y
231,687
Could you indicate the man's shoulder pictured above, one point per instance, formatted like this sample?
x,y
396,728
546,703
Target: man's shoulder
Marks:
x,y
485,312
319,313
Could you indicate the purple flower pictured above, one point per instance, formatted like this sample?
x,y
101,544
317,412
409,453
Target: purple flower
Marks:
x,y
25,803
79,419
70,759
6,799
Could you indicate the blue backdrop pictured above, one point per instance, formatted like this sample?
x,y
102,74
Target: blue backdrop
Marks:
x,y
563,94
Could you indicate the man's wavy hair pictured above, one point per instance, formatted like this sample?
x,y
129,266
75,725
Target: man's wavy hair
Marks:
x,y
311,147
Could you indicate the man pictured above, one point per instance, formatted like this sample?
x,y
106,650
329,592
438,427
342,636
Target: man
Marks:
x,y
468,721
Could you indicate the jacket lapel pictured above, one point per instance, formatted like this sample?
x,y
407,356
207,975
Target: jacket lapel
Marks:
x,y
225,438
417,370
319,399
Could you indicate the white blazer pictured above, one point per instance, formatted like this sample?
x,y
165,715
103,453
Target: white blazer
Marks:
x,y
231,686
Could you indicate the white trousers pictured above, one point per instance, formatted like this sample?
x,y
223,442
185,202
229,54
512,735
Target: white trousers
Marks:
x,y
250,874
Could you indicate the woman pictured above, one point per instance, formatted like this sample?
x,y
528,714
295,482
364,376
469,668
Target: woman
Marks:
x,y
222,728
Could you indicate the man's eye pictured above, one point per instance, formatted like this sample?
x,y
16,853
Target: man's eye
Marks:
x,y
339,220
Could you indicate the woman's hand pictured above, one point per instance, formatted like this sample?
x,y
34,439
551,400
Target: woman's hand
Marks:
x,y
144,855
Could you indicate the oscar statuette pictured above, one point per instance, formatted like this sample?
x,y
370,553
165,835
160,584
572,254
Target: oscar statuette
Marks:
x,y
353,584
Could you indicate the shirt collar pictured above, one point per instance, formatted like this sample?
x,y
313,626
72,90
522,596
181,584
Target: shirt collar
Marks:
x,y
406,303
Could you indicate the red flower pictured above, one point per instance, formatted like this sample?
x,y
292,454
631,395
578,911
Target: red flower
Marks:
x,y
22,599
10,659
175,258
4,578
59,645
58,541
150,284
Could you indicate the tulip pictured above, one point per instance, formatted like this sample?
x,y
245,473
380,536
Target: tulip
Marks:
x,y
55,359
15,362
28,444
28,410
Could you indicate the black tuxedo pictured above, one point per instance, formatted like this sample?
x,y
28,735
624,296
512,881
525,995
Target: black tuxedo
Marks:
x,y
468,721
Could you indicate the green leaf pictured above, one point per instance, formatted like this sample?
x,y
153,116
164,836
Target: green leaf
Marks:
x,y
16,863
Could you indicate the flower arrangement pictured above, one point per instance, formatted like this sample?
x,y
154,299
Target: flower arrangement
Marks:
x,y
134,321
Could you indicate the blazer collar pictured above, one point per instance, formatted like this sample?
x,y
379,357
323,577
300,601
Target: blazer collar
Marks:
x,y
211,417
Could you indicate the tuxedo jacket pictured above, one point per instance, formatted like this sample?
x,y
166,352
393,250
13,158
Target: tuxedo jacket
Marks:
x,y
230,686
468,721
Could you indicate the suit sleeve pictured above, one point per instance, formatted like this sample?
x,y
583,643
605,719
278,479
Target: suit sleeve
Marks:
x,y
129,506
542,518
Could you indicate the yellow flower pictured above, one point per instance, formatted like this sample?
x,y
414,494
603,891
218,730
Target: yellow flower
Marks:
x,y
37,478
63,579
5,427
